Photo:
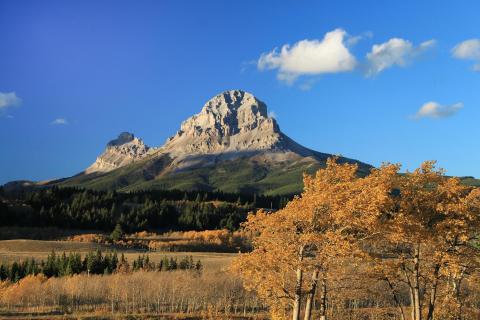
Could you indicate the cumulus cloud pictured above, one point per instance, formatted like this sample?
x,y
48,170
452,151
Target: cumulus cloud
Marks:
x,y
310,57
468,50
9,99
395,51
435,110
59,121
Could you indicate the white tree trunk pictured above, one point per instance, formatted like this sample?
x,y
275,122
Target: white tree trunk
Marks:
x,y
311,295
298,287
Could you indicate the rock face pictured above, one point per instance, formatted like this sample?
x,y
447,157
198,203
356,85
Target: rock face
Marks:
x,y
230,122
229,125
231,145
119,152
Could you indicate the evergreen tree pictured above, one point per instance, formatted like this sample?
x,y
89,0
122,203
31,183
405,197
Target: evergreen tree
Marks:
x,y
3,272
198,198
117,233
14,272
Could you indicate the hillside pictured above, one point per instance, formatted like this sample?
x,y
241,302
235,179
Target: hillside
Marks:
x,y
232,145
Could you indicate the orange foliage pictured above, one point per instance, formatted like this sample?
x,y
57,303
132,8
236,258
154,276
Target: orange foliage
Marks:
x,y
87,237
311,234
199,240
415,229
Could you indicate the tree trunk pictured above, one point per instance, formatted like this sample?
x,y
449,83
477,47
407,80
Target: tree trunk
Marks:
x,y
433,293
323,300
456,289
311,295
298,287
395,298
411,292
416,283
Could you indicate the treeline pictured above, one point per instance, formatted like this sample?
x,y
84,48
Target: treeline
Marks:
x,y
94,262
212,294
147,210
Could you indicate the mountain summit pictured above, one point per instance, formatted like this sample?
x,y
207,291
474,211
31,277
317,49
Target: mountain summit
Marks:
x,y
119,152
231,145
229,122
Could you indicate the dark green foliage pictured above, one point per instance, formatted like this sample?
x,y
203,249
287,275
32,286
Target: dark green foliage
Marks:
x,y
117,233
120,212
95,262
143,263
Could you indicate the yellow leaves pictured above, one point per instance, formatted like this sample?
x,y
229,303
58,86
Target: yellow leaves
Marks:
x,y
431,204
20,291
336,209
339,212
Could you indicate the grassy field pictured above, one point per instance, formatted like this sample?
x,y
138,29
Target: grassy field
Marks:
x,y
17,250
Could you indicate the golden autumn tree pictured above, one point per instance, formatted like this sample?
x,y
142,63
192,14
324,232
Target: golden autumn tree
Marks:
x,y
430,235
296,246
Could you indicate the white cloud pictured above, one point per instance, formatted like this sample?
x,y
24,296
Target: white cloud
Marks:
x,y
59,121
310,57
351,41
435,110
468,50
9,99
395,51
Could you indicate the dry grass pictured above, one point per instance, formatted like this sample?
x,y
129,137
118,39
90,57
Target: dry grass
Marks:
x,y
17,250
90,316
150,295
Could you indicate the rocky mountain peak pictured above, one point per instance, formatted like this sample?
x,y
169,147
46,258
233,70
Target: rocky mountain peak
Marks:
x,y
231,145
122,138
123,150
229,113
233,120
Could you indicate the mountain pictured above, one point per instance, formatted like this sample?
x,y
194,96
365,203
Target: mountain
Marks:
x,y
232,145
231,122
119,152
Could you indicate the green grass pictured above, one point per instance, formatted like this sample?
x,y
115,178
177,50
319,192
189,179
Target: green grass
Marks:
x,y
237,176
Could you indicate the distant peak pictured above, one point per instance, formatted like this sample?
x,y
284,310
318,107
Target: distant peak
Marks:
x,y
122,138
119,152
235,93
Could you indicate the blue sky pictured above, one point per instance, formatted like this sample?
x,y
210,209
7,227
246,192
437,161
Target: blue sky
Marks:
x,y
73,74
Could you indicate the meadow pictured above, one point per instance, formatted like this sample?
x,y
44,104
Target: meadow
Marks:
x,y
129,295
19,250
381,247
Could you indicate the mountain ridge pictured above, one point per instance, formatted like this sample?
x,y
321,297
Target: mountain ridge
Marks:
x,y
232,145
